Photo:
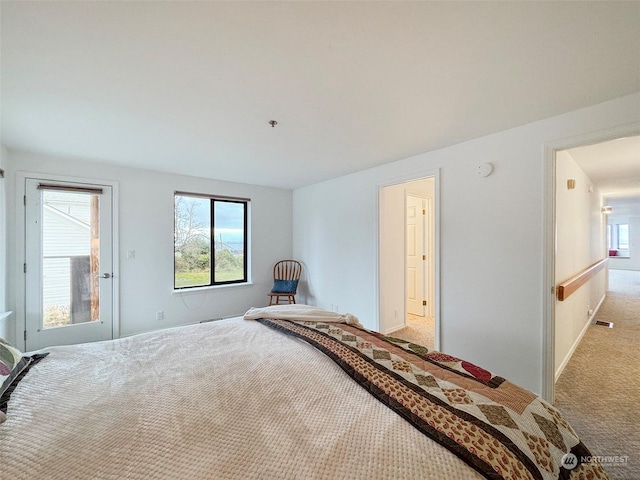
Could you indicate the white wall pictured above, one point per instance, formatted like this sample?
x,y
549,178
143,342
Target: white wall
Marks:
x,y
580,242
6,328
392,259
146,226
492,233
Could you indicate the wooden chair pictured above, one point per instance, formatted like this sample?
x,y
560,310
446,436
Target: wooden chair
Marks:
x,y
286,274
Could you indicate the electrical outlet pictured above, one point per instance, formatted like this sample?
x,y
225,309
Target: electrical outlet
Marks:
x,y
131,254
395,313
160,315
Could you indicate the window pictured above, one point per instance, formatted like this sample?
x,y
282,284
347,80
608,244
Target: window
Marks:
x,y
206,224
618,236
623,236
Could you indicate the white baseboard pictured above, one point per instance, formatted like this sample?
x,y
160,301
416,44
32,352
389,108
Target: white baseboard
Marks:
x,y
221,318
395,328
578,340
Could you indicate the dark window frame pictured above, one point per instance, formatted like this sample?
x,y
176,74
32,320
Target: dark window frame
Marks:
x,y
213,199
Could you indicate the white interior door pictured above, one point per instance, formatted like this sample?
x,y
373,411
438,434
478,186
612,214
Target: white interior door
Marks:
x,y
415,255
69,263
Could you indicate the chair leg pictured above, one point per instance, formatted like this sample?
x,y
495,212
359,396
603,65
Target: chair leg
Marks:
x,y
290,299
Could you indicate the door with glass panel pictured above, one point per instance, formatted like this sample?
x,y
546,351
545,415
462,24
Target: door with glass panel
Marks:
x,y
69,258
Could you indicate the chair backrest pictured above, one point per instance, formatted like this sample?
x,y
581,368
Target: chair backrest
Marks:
x,y
287,270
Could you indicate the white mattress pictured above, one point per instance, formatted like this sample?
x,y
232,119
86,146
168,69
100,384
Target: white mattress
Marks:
x,y
230,399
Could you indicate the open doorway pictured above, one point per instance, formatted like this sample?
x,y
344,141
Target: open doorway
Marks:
x,y
407,261
597,200
597,294
602,172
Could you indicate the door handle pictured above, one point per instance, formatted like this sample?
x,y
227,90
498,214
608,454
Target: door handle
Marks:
x,y
105,275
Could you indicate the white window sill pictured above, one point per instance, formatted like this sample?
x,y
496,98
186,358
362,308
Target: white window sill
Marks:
x,y
189,291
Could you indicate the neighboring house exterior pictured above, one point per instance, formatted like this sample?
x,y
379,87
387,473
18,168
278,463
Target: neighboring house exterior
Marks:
x,y
66,251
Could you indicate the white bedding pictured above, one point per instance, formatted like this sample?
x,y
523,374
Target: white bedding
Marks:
x,y
302,313
230,399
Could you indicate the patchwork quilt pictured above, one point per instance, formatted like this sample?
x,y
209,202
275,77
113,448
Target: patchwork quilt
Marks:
x,y
496,427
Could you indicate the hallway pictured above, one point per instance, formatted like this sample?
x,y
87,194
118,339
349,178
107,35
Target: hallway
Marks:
x,y
599,390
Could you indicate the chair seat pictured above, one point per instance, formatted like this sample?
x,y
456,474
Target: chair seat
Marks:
x,y
282,293
291,297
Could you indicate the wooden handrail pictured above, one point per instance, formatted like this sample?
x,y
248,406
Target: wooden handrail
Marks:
x,y
566,288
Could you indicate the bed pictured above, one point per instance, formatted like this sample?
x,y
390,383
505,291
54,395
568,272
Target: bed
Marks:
x,y
286,392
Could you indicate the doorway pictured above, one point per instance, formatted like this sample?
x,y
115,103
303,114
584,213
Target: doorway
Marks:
x,y
69,259
408,260
582,175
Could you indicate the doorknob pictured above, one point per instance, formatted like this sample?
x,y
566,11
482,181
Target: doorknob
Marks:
x,y
105,275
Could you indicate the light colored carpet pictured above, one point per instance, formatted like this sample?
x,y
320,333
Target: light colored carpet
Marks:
x,y
624,282
599,390
420,330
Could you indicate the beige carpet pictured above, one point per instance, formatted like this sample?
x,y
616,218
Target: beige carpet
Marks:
x,y
420,330
599,390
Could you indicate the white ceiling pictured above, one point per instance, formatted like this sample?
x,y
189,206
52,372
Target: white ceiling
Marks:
x,y
623,207
189,87
613,166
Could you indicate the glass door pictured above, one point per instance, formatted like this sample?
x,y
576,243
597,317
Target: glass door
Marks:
x,y
69,286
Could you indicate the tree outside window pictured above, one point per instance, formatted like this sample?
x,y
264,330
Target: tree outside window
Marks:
x,y
205,224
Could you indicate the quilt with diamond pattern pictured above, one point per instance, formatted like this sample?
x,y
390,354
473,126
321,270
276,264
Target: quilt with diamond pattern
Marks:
x,y
498,428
